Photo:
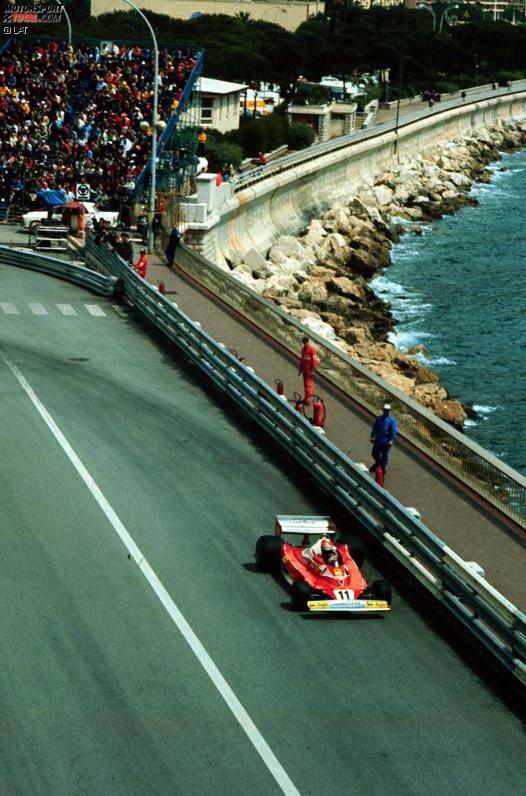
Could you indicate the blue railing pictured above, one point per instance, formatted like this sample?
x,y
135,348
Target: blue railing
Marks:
x,y
172,123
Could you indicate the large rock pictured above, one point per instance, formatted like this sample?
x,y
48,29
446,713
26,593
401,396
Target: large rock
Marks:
x,y
280,285
338,221
429,394
334,249
292,267
363,263
460,180
346,287
242,268
318,326
325,271
312,293
450,411
289,246
315,233
392,376
255,260
235,258
248,280
414,369
382,194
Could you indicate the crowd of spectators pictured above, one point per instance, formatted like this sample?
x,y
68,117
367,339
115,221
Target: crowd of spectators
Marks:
x,y
78,115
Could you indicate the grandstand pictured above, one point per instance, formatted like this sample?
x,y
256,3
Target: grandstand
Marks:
x,y
82,114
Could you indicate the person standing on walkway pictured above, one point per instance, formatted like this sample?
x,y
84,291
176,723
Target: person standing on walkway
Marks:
x,y
124,248
173,243
141,266
383,436
308,364
201,143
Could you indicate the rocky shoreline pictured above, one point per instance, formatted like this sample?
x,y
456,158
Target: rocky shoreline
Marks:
x,y
322,277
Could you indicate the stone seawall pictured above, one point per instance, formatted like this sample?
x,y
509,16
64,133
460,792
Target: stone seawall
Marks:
x,y
285,203
320,260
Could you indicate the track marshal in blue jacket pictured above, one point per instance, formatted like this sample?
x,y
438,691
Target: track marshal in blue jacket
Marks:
x,y
383,436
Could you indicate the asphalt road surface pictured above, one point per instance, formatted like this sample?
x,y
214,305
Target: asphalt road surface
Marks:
x,y
141,651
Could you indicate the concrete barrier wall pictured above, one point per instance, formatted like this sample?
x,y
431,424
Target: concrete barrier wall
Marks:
x,y
284,204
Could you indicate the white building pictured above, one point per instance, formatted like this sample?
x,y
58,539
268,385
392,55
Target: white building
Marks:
x,y
220,104
288,14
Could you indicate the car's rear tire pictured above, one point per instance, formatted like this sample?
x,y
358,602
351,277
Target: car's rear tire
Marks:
x,y
381,590
268,553
356,548
301,594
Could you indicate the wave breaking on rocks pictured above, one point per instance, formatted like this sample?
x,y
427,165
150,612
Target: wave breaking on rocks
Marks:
x,y
322,276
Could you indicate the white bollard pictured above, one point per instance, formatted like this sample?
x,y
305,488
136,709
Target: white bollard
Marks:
x,y
416,514
476,568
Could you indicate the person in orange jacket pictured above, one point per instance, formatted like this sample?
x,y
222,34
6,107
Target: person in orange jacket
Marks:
x,y
308,364
141,266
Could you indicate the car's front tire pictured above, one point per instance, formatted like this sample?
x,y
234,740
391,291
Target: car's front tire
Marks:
x,y
381,590
301,594
268,553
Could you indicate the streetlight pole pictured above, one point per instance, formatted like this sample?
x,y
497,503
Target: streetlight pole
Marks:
x,y
400,74
67,20
431,11
443,17
153,167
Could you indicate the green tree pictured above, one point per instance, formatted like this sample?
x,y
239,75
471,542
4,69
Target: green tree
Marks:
x,y
301,135
221,153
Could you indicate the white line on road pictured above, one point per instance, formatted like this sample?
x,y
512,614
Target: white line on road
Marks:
x,y
9,308
94,309
38,309
66,309
260,745
120,311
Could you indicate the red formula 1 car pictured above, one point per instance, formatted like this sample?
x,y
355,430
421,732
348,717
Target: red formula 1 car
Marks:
x,y
324,569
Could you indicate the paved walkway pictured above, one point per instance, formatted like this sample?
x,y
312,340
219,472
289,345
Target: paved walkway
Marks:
x,y
449,509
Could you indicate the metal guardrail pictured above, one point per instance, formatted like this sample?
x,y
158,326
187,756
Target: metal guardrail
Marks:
x,y
99,283
483,611
342,142
495,481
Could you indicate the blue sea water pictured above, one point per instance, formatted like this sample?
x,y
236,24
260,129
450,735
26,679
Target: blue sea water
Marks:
x,y
460,290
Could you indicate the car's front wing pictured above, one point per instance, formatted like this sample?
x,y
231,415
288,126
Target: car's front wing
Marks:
x,y
353,606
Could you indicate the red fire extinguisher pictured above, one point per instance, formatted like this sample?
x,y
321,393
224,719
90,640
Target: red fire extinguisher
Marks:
x,y
298,402
279,387
162,287
379,475
318,409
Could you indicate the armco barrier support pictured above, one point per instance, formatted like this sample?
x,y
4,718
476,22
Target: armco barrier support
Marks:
x,y
485,613
99,283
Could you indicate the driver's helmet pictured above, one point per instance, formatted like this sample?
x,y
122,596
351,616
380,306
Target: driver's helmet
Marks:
x,y
329,552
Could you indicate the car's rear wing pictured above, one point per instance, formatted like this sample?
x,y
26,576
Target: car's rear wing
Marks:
x,y
304,525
